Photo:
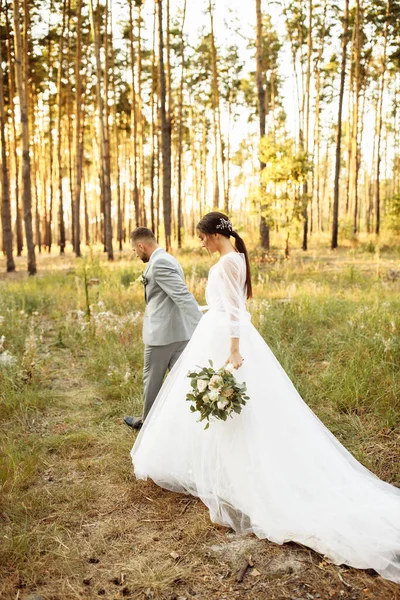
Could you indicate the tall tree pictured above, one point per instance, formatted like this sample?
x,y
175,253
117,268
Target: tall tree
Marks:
x,y
165,132
61,221
5,183
11,80
335,222
180,130
104,141
78,131
264,227
22,91
379,125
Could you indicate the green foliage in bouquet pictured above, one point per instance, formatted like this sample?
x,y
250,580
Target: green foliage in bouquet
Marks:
x,y
216,393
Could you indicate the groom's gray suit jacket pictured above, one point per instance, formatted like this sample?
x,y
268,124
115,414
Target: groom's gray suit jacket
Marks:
x,y
172,313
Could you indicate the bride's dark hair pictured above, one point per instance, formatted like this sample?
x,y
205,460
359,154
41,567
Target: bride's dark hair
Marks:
x,y
216,222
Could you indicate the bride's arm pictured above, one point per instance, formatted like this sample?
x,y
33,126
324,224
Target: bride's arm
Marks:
x,y
235,358
232,295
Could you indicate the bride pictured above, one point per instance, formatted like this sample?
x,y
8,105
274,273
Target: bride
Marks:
x,y
275,469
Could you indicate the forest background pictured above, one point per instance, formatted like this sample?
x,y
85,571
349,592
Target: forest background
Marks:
x,y
113,115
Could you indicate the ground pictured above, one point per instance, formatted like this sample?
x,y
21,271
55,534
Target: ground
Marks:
x,y
76,524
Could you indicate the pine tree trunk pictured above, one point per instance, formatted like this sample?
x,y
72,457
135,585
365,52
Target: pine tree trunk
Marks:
x,y
61,222
11,83
78,131
335,221
165,135
5,182
350,126
264,228
116,135
104,145
180,132
214,108
306,121
134,119
70,130
22,90
153,132
140,121
356,124
48,230
316,186
378,149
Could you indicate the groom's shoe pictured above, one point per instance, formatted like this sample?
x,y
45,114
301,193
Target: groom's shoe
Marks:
x,y
134,422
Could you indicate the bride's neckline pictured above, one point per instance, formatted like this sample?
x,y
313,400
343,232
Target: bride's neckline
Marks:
x,y
227,254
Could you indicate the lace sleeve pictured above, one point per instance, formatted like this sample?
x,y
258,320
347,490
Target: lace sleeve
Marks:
x,y
232,292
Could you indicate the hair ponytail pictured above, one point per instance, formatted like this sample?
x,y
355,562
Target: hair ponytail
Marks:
x,y
241,247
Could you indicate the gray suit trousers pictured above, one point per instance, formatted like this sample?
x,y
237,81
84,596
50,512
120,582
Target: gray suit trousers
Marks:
x,y
157,361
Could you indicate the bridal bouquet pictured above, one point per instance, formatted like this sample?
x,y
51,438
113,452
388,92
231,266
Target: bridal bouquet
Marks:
x,y
216,393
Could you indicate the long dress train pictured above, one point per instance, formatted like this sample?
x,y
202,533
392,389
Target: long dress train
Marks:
x,y
275,469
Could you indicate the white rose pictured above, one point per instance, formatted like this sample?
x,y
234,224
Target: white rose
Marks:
x,y
202,384
214,395
206,398
229,368
216,381
222,403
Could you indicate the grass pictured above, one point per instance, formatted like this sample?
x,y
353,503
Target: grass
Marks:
x,y
76,524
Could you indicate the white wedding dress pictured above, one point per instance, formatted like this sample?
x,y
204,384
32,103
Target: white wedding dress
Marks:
x,y
275,469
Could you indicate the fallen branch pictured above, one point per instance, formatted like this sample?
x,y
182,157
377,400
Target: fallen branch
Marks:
x,y
185,507
153,520
246,564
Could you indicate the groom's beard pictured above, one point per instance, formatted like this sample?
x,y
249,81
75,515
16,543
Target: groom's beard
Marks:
x,y
145,258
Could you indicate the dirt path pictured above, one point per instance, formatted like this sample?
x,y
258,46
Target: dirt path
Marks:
x,y
94,531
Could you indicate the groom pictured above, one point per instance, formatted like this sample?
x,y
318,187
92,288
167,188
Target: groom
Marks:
x,y
170,318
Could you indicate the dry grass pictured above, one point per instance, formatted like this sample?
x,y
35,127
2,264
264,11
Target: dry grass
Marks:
x,y
77,525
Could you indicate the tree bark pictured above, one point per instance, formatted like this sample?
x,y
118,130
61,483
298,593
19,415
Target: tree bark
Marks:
x,y
61,222
180,131
78,131
5,182
153,132
116,135
264,228
140,120
134,120
165,134
11,83
22,90
380,108
104,142
214,108
335,222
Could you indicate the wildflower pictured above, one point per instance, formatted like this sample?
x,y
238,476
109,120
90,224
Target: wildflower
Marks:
x,y
7,359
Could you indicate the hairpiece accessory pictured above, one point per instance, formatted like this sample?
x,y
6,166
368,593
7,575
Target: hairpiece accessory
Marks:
x,y
225,224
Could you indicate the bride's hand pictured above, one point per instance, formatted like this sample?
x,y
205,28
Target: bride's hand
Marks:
x,y
235,359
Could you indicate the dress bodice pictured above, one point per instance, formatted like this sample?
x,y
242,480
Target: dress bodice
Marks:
x,y
226,289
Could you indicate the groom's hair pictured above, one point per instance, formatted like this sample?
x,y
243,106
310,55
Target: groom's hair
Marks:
x,y
142,234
